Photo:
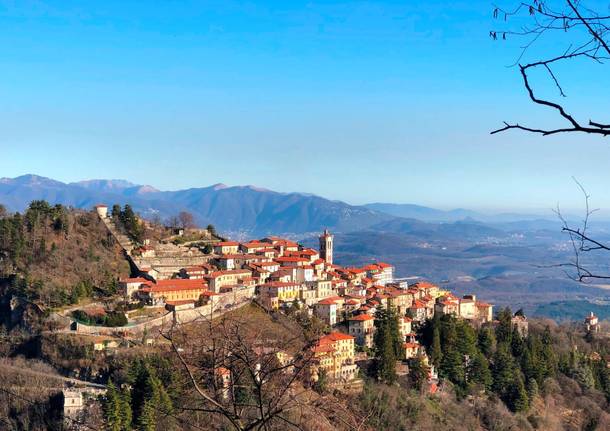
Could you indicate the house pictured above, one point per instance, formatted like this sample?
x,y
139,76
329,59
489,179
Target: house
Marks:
x,y
448,304
362,328
468,309
278,292
102,343
73,402
420,311
404,327
400,300
328,308
334,354
292,261
484,311
592,323
381,273
218,279
427,288
226,247
519,321
178,289
130,285
412,349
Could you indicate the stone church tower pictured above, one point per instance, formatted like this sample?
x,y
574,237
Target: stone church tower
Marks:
x,y
326,246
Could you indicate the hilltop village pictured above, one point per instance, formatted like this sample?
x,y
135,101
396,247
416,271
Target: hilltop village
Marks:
x,y
279,275
130,322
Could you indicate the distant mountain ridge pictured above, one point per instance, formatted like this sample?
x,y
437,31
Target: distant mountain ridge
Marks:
x,y
247,209
253,211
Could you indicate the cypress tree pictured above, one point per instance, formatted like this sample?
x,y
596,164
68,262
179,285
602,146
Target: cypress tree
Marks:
x,y
436,354
387,345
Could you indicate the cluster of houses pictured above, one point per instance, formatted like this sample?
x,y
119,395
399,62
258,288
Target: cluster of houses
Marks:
x,y
284,274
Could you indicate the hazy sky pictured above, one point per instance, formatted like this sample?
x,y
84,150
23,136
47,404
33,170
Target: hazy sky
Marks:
x,y
353,100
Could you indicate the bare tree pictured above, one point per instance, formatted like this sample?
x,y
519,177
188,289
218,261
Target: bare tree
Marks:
x,y
243,376
583,244
186,220
585,30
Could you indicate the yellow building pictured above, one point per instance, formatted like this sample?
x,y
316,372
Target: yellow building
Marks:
x,y
173,290
276,292
334,354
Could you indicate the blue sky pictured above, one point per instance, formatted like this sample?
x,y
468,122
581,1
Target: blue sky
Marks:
x,y
359,101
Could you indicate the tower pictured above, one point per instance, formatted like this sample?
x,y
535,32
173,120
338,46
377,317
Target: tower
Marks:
x,y
326,246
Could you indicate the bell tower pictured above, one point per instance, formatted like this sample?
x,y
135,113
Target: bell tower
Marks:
x,y
326,246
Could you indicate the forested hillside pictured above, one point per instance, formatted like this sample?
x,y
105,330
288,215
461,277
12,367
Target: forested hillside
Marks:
x,y
54,256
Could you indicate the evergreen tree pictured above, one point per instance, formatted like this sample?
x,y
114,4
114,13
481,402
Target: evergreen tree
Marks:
x,y
532,390
486,341
125,410
517,345
436,354
147,420
518,400
504,328
112,408
417,374
503,371
387,345
452,367
479,372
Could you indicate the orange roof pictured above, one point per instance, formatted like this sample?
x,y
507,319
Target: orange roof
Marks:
x,y
291,259
331,300
335,336
362,317
410,345
418,304
424,285
222,371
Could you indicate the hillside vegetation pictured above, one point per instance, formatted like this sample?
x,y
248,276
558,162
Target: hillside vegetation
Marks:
x,y
54,256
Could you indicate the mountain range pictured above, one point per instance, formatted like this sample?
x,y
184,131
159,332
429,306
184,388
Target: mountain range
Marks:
x,y
248,210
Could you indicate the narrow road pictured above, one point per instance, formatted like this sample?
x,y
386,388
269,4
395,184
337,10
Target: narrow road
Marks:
x,y
51,376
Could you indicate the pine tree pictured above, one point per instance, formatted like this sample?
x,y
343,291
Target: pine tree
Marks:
x,y
486,341
147,420
503,371
112,408
517,345
532,390
504,328
125,410
518,401
479,372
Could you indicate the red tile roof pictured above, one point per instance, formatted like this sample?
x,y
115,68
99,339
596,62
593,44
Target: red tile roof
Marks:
x,y
362,317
